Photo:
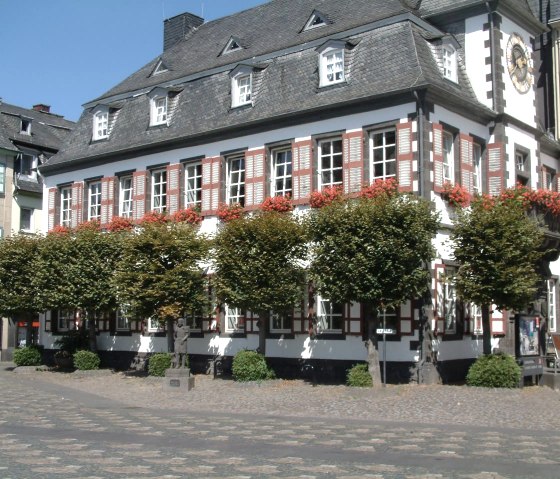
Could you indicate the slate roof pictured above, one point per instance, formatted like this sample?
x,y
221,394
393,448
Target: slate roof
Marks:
x,y
545,10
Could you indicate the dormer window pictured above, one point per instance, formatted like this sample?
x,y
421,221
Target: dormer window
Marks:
x,y
101,123
233,45
160,68
25,126
331,63
317,19
449,60
241,86
159,106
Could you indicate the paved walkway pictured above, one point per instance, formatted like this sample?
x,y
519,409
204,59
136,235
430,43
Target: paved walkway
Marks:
x,y
104,425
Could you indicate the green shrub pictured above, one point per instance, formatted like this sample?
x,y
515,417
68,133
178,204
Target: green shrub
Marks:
x,y
359,376
28,356
158,363
250,366
73,340
86,360
494,371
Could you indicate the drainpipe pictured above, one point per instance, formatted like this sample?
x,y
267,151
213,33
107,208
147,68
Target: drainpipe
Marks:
x,y
492,42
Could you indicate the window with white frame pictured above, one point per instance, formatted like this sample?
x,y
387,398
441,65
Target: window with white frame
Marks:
x,y
193,184
383,154
66,206
330,163
159,110
329,316
281,322
122,320
548,176
155,326
26,219
194,320
101,124
475,314
2,178
235,319
387,319
25,126
94,200
66,320
235,180
159,191
242,90
331,66
477,169
449,59
125,196
448,158
281,177
447,300
522,168
551,303
28,165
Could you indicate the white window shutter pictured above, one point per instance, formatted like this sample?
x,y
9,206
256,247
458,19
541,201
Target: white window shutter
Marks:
x,y
404,156
302,171
467,168
495,172
353,166
437,151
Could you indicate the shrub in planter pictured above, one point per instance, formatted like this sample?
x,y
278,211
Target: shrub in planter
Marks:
x,y
86,360
494,371
158,363
28,356
250,366
359,376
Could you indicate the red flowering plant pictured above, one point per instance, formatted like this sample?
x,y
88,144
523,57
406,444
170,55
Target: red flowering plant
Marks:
x,y
456,195
154,217
282,204
189,215
230,212
93,225
118,223
387,187
60,230
326,196
519,194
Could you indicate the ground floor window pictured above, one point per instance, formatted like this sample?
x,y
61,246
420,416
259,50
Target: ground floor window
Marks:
x,y
66,320
329,316
389,318
235,320
281,322
123,320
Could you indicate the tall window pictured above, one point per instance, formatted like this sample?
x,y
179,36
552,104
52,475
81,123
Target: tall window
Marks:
x,y
281,178
66,206
241,90
101,125
449,62
2,178
548,176
389,316
329,316
551,297
234,319
28,165
383,154
125,197
330,163
477,169
332,66
448,158
193,184
522,170
123,320
25,126
447,300
235,188
159,191
66,320
94,200
159,110
26,219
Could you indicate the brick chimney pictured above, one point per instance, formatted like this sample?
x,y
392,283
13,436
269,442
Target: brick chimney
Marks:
x,y
42,107
178,27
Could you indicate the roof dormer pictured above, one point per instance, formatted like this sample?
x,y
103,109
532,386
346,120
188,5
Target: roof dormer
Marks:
x,y
234,44
160,68
316,20
25,126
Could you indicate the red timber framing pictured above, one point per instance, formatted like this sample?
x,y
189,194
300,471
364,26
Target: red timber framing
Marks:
x,y
437,150
211,184
353,166
53,208
466,143
139,194
77,203
174,182
254,178
406,324
496,168
107,200
405,157
302,174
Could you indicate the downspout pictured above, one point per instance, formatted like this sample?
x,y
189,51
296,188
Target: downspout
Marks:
x,y
492,42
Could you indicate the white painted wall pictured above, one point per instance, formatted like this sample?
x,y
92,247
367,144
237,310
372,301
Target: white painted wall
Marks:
x,y
475,57
516,136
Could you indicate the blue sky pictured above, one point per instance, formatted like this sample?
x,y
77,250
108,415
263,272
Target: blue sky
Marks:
x,y
66,52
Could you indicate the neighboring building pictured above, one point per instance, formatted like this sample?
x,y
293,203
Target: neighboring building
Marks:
x,y
290,97
28,137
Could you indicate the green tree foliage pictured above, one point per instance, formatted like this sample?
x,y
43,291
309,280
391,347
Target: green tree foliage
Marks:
x,y
260,265
498,249
161,273
373,251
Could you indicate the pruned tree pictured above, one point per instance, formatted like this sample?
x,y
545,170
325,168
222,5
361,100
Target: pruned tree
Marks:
x,y
498,248
260,265
374,251
161,273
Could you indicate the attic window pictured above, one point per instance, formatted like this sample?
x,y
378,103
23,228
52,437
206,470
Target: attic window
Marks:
x,y
232,46
25,126
160,68
449,60
316,20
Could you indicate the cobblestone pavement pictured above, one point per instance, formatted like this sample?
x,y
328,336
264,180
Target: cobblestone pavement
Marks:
x,y
104,425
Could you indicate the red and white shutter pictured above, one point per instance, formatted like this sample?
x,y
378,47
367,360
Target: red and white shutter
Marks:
x,y
496,170
139,194
211,176
77,203
557,178
405,156
107,200
353,166
53,200
542,177
254,178
467,169
302,173
437,150
174,188
498,322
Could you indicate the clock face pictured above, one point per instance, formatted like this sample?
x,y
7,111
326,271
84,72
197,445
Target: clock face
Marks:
x,y
519,64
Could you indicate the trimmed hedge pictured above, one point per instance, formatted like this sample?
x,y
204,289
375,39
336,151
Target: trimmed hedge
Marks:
x,y
359,376
250,366
494,371
86,360
28,356
158,363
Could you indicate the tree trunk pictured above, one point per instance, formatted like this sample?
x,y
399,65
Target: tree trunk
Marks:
x,y
264,322
92,333
170,325
374,365
486,330
28,329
